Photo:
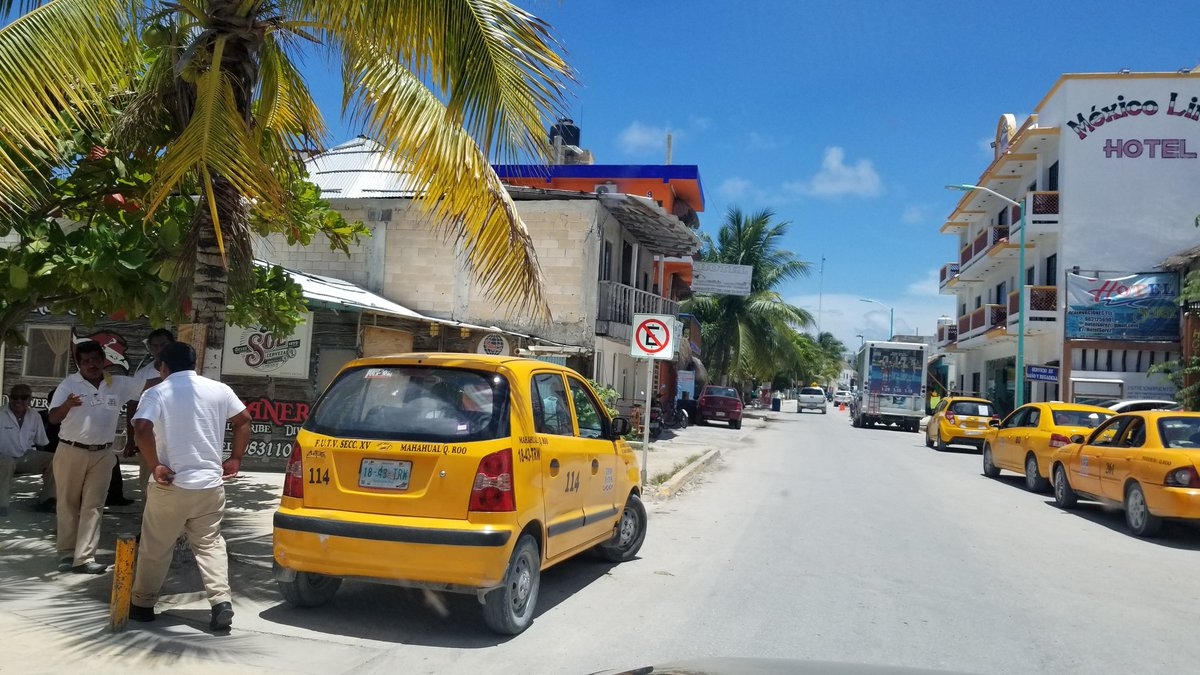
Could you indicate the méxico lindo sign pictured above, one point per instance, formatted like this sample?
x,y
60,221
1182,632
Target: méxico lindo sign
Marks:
x,y
1114,114
256,352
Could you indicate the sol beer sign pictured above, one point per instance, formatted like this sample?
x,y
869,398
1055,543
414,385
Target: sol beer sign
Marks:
x,y
254,351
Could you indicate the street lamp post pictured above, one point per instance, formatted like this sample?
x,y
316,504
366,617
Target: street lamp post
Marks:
x,y
891,316
1020,383
861,340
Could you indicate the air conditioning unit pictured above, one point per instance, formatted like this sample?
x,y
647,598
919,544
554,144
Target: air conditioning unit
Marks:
x,y
606,189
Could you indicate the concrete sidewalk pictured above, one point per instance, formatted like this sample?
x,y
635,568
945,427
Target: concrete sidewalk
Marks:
x,y
55,620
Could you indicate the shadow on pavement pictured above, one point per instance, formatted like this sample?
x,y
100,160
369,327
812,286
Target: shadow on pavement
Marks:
x,y
435,619
1174,534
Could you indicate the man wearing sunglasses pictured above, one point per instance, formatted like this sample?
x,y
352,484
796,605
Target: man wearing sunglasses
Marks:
x,y
20,430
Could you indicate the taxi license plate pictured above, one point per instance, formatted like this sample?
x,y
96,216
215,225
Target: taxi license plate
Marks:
x,y
387,474
719,414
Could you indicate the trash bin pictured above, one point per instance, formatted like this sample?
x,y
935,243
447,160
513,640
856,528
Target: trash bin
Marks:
x,y
775,404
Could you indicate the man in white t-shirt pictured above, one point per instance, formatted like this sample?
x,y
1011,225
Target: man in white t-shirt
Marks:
x,y
158,338
180,429
86,405
20,430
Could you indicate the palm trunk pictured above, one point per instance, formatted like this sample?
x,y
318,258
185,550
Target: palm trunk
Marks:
x,y
211,277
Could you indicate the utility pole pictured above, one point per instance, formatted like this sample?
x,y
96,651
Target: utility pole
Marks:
x,y
820,295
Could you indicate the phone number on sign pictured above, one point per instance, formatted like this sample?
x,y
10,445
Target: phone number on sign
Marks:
x,y
260,448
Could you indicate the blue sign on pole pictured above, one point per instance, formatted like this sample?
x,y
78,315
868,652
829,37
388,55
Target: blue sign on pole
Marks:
x,y
1041,373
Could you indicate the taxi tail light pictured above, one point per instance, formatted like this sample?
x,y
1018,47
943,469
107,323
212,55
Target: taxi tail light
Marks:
x,y
949,417
493,488
1185,477
293,478
1058,440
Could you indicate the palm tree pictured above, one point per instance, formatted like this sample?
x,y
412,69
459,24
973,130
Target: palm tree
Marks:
x,y
751,336
444,85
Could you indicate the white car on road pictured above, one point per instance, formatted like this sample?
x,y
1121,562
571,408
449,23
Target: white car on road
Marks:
x,y
813,398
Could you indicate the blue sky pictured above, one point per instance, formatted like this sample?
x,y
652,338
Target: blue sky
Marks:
x,y
847,118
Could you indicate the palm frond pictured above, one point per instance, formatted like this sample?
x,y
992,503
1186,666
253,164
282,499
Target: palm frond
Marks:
x,y
496,67
285,104
216,140
462,192
58,64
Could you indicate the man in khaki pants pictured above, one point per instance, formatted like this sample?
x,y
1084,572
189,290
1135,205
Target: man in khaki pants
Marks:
x,y
87,405
180,430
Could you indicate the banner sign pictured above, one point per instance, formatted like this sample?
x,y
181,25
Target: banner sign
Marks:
x,y
1137,307
253,351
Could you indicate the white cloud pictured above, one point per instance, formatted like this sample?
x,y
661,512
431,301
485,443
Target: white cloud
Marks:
x,y
914,215
836,178
761,141
926,287
846,316
639,139
734,187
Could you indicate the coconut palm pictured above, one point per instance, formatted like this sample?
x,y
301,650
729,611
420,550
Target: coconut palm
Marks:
x,y
444,85
752,336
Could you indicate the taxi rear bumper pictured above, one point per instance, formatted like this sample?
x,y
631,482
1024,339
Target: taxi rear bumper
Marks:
x,y
1172,502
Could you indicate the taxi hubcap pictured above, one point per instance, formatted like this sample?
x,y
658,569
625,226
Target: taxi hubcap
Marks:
x,y
521,584
628,528
1031,469
1137,508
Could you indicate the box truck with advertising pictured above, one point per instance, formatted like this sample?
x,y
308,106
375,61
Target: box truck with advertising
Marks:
x,y
891,382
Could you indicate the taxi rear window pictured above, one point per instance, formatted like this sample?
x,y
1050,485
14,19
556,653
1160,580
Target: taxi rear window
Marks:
x,y
1078,418
414,403
1179,432
971,408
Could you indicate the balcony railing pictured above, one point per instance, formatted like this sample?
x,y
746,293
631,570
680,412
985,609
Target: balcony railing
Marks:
x,y
948,272
964,324
1041,308
947,334
965,254
618,304
1043,207
980,321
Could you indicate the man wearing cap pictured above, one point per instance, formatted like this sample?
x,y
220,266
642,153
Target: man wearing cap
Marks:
x,y
87,405
20,430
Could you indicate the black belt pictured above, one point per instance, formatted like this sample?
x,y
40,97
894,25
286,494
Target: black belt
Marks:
x,y
85,446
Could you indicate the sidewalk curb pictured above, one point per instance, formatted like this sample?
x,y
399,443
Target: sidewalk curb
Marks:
x,y
687,473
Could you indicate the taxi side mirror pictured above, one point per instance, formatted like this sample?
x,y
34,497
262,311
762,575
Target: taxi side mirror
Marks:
x,y
618,427
1077,438
993,423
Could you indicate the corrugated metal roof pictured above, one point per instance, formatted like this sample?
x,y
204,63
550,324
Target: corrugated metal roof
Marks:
x,y
356,169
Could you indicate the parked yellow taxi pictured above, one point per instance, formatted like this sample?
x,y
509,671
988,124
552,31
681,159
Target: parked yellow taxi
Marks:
x,y
455,472
1144,462
959,420
1024,441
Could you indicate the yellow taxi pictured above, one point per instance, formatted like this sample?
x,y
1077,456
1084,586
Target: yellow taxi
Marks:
x,y
1144,462
455,472
959,420
1024,441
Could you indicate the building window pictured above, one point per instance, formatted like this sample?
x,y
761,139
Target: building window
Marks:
x,y
974,384
627,264
1002,217
978,301
1052,270
47,353
606,261
1052,178
1031,276
1001,293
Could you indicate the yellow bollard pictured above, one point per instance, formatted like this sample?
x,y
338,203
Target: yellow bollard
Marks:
x,y
122,588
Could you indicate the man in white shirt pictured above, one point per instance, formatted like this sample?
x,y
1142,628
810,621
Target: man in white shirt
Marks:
x,y
20,430
86,405
180,429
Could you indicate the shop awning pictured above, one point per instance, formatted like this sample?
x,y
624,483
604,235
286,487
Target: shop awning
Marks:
x,y
658,230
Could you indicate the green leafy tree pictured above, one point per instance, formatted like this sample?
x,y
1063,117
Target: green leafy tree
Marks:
x,y
86,244
751,337
443,85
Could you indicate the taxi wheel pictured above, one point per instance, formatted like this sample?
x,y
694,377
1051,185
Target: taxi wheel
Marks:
x,y
928,440
509,609
989,467
309,590
1141,522
735,425
941,445
1033,477
630,533
1064,494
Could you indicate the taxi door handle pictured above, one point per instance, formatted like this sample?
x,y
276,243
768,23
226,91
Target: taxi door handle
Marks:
x,y
553,468
595,466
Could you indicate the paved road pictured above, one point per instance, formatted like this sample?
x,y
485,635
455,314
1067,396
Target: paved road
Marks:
x,y
813,540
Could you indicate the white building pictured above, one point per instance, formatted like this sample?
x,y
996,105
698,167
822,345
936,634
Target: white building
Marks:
x,y
1108,175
